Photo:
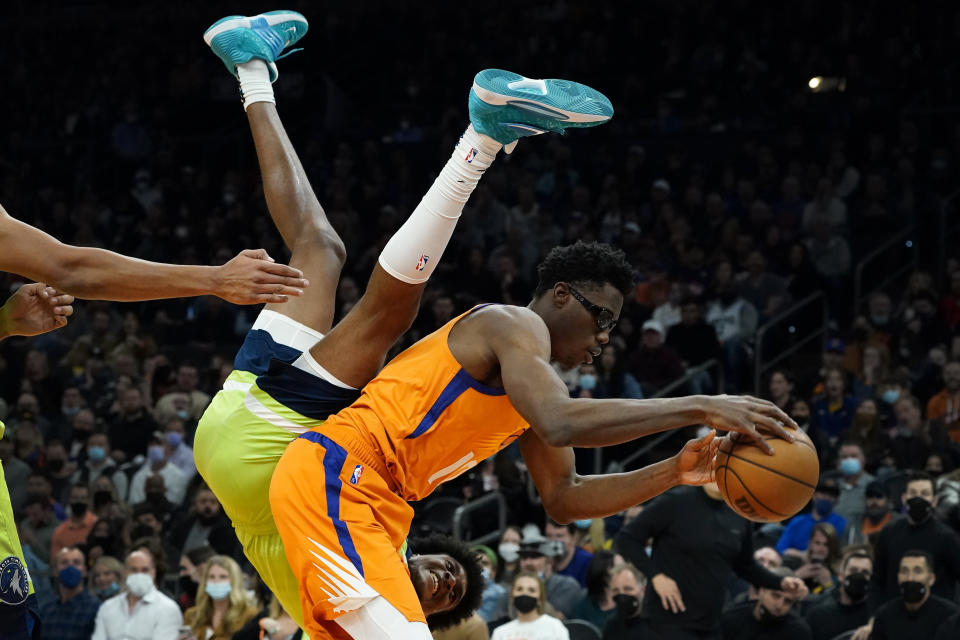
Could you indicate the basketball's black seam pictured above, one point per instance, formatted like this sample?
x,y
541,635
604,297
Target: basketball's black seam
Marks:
x,y
766,468
797,440
755,498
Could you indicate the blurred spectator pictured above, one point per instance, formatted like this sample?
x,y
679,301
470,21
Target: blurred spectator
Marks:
x,y
58,467
597,605
781,387
770,617
536,557
272,621
574,560
869,434
104,540
950,302
766,291
920,530
528,602
71,616
205,525
843,607
668,314
874,367
99,462
695,341
698,543
654,364
38,527
473,628
188,380
509,552
915,438
735,322
15,471
76,528
222,604
853,480
945,406
38,487
877,515
918,612
178,451
105,577
193,565
613,380
175,481
493,604
132,428
796,536
140,611
627,587
833,413
829,252
821,562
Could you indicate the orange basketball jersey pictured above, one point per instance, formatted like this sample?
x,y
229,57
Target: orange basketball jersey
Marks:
x,y
429,418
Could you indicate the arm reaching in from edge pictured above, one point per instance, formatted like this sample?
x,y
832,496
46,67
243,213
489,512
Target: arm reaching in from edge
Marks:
x,y
568,496
34,309
252,277
521,345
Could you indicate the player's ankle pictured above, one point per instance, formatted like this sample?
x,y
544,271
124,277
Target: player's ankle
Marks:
x,y
255,84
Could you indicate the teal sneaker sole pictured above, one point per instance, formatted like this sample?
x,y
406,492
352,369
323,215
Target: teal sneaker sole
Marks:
x,y
296,30
561,101
238,39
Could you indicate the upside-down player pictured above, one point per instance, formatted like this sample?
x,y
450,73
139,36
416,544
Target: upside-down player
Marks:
x,y
235,449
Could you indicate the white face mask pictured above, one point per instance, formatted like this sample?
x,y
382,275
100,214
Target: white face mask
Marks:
x,y
139,584
509,551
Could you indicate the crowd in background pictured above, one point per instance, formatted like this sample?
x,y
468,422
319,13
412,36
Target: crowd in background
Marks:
x,y
734,190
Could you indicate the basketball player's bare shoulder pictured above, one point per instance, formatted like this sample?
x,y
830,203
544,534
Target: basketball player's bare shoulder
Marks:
x,y
513,325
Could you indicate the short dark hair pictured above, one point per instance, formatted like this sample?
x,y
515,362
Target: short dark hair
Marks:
x,y
917,553
859,551
594,263
467,557
919,476
570,527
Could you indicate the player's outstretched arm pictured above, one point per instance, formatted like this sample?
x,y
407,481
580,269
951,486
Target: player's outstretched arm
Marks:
x,y
250,278
568,496
34,309
522,349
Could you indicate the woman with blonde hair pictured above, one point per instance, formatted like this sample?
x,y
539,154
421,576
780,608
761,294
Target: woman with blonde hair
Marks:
x,y
527,604
222,604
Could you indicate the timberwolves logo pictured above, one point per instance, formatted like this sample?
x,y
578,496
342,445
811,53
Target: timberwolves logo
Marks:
x,y
422,262
355,476
13,581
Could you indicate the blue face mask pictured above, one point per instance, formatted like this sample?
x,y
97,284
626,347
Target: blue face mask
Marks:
x,y
183,414
156,453
850,466
890,396
70,576
109,592
96,454
583,524
217,590
588,382
823,506
174,438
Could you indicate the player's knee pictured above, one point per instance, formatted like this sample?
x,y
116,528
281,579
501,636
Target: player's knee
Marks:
x,y
324,241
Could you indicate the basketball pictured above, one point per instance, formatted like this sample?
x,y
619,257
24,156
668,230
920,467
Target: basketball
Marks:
x,y
766,488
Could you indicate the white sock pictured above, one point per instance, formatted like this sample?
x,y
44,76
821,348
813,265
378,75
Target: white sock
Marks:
x,y
413,252
255,82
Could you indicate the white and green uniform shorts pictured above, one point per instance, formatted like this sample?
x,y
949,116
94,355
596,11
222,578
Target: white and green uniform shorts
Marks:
x,y
236,449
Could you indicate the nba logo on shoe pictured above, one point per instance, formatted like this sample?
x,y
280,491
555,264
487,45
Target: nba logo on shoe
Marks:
x,y
422,262
355,476
471,155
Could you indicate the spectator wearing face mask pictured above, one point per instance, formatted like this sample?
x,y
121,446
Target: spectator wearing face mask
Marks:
x,y
178,451
574,560
105,577
536,556
528,600
222,604
174,479
917,612
920,530
193,565
771,617
493,603
132,427
844,607
915,437
99,463
796,536
627,586
868,432
853,480
72,614
75,529
38,527
597,606
945,406
654,364
509,552
140,611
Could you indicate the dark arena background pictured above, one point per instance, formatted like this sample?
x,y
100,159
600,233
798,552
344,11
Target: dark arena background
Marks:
x,y
783,177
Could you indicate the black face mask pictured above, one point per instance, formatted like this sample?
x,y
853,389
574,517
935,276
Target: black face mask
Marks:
x,y
912,591
142,531
876,514
104,542
56,465
101,498
525,604
155,497
187,586
855,586
628,605
918,509
78,509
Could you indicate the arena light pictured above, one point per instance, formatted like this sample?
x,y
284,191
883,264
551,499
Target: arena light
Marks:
x,y
823,84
